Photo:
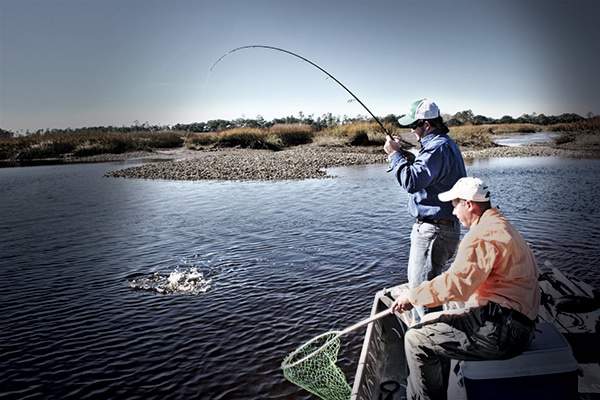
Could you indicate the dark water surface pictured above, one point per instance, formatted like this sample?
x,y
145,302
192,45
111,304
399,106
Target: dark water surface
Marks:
x,y
270,265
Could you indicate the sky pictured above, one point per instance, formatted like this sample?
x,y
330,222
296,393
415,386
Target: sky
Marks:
x,y
70,64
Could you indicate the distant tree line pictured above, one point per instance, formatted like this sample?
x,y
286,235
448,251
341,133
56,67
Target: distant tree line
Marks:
x,y
466,117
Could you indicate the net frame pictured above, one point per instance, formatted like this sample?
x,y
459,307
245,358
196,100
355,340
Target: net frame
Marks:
x,y
286,362
301,373
313,367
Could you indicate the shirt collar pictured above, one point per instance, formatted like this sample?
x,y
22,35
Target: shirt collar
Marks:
x,y
429,137
486,213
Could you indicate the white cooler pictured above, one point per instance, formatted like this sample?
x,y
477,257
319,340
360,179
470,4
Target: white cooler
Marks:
x,y
546,370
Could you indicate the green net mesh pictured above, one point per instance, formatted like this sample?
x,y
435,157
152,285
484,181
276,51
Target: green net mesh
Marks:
x,y
313,367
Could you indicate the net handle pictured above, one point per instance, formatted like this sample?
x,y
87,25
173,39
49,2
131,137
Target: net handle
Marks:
x,y
366,321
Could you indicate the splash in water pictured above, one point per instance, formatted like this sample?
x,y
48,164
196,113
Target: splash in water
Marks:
x,y
186,281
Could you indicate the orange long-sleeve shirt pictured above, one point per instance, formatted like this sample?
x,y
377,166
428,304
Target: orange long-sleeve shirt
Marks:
x,y
493,263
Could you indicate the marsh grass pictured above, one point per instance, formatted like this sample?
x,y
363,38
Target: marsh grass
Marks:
x,y
292,135
477,137
82,145
355,134
577,135
472,136
514,128
274,138
583,134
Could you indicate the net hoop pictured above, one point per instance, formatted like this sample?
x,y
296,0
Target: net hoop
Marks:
x,y
289,362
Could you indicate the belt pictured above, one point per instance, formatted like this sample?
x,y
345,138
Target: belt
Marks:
x,y
496,313
436,221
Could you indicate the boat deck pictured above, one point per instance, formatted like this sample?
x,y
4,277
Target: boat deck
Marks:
x,y
381,373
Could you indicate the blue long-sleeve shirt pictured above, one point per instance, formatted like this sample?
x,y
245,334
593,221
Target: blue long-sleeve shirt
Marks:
x,y
436,169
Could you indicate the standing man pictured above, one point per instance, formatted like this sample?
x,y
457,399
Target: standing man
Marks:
x,y
438,165
495,274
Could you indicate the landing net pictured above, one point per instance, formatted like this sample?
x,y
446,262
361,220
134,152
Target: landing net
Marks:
x,y
313,367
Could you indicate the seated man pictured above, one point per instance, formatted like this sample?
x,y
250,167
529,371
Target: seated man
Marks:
x,y
495,274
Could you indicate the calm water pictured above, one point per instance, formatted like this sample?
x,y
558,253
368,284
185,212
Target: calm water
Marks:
x,y
518,140
273,264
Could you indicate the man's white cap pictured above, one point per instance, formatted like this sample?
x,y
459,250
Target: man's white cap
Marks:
x,y
468,188
420,109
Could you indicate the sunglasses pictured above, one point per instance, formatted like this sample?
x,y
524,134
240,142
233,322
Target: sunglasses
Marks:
x,y
417,124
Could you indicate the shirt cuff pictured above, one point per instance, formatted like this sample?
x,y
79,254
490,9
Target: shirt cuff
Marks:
x,y
397,160
412,297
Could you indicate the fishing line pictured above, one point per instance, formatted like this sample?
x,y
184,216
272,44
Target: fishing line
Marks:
x,y
314,65
205,83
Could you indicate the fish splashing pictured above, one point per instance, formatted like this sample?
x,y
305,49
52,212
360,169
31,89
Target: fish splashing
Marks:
x,y
187,281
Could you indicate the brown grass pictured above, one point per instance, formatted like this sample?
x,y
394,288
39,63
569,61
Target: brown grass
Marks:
x,y
354,134
577,135
472,137
583,134
81,145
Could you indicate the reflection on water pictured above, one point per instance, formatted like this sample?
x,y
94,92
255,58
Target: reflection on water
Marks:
x,y
265,266
519,140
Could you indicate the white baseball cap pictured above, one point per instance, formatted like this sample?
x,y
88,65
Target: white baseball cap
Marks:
x,y
468,188
420,109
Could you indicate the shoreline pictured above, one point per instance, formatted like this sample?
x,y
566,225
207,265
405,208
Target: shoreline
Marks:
x,y
302,162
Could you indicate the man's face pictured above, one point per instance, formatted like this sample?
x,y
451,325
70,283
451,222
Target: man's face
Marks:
x,y
418,128
462,212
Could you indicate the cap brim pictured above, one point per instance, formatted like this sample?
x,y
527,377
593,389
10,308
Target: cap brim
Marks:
x,y
406,120
448,196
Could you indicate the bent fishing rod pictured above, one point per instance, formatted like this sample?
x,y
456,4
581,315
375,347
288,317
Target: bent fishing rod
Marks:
x,y
316,66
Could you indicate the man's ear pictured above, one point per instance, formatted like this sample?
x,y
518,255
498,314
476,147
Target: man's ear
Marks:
x,y
470,205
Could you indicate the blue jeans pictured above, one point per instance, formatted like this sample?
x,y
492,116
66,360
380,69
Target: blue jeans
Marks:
x,y
430,248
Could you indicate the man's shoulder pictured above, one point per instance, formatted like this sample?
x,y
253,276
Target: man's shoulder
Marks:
x,y
441,146
494,225
440,140
492,216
